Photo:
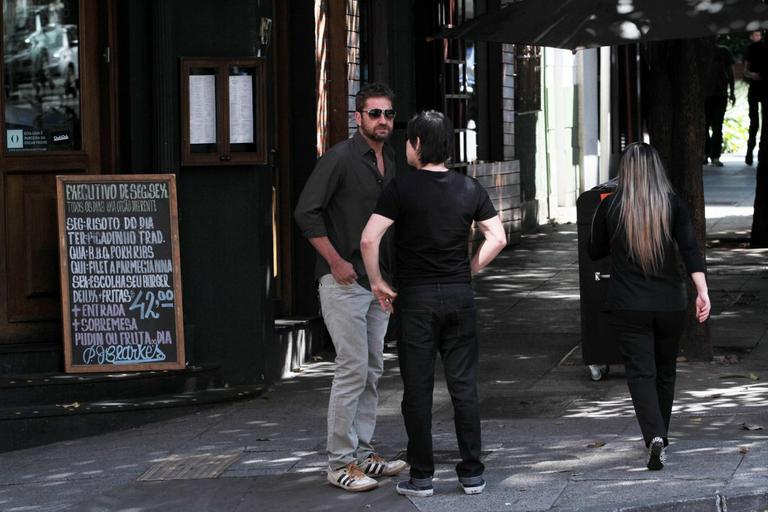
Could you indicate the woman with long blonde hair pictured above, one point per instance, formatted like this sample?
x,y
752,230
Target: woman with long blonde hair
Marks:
x,y
644,226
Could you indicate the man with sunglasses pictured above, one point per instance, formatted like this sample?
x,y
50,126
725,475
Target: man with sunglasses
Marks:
x,y
332,211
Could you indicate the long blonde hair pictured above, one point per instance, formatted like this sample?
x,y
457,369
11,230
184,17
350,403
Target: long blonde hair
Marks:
x,y
644,206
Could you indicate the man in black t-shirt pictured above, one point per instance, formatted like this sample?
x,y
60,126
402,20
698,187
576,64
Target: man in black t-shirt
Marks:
x,y
719,83
433,210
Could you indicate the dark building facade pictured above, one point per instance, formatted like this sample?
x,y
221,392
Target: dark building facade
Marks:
x,y
109,74
104,77
124,102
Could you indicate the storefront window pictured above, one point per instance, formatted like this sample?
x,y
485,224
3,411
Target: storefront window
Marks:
x,y
460,87
42,75
527,78
469,144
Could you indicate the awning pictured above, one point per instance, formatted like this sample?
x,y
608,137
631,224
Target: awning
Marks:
x,y
572,24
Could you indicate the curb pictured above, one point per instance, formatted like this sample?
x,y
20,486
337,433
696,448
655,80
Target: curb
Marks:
x,y
757,502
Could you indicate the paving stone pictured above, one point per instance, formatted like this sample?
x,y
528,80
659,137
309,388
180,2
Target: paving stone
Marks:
x,y
553,439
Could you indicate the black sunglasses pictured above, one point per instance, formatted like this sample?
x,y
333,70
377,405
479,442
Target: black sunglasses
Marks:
x,y
375,113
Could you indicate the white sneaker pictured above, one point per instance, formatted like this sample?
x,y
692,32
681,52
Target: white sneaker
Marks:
x,y
375,465
351,478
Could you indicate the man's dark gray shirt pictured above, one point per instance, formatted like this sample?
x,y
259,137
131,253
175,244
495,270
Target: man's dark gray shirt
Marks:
x,y
339,198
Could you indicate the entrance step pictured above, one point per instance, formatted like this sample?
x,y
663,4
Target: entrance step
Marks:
x,y
27,426
297,340
61,388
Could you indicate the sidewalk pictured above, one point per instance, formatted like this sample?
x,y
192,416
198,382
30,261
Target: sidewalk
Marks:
x,y
553,439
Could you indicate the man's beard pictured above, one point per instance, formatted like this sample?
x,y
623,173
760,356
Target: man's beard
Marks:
x,y
371,134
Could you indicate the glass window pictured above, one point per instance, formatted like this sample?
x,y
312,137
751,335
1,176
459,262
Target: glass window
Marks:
x,y
202,110
527,78
42,75
243,134
460,87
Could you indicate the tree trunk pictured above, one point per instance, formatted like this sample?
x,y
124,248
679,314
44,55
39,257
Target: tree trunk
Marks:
x,y
675,113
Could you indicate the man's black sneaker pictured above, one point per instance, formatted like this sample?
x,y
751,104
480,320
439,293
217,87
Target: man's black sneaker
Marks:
x,y
473,488
656,454
408,488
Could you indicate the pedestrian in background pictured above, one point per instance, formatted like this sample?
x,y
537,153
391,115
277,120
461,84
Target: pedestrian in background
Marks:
x,y
718,84
642,226
433,209
332,210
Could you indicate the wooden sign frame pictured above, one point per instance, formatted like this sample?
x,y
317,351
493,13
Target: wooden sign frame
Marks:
x,y
64,264
224,153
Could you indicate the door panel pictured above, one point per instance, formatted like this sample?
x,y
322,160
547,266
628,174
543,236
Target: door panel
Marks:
x,y
53,120
32,251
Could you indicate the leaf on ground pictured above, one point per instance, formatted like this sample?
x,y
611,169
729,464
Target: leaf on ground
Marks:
x,y
754,376
317,358
747,426
596,444
743,450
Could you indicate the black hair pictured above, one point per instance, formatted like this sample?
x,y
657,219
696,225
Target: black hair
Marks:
x,y
435,133
373,90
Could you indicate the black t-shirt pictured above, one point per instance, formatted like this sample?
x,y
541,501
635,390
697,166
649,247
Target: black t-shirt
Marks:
x,y
757,57
433,214
720,72
631,289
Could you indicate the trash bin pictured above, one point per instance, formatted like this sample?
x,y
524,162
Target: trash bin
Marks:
x,y
598,347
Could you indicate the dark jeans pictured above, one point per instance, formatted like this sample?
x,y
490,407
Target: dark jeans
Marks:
x,y
649,341
439,318
753,99
714,113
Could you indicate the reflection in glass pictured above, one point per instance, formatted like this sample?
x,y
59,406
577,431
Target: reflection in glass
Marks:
x,y
42,75
469,144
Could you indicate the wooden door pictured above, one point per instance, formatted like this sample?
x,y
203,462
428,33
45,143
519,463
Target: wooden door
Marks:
x,y
55,118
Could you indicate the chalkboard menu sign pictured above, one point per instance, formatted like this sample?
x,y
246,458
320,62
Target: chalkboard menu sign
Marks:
x,y
120,277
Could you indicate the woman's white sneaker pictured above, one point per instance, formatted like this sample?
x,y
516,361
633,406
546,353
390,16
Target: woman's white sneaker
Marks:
x,y
351,478
656,455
